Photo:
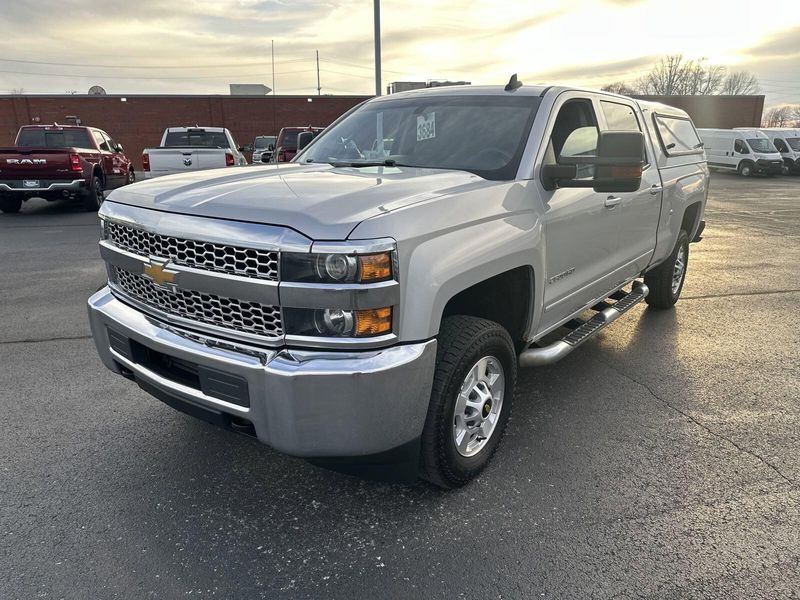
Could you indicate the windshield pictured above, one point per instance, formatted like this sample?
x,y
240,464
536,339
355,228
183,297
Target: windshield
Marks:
x,y
41,138
263,141
196,138
794,143
761,145
484,135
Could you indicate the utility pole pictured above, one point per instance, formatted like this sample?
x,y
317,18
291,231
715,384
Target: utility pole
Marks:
x,y
319,89
377,7
274,101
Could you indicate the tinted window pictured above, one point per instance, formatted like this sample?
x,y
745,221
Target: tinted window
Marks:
x,y
263,141
101,141
619,117
794,143
41,138
574,133
738,146
678,136
481,134
780,145
196,138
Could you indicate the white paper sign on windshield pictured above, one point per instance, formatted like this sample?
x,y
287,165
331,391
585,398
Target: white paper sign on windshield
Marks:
x,y
426,126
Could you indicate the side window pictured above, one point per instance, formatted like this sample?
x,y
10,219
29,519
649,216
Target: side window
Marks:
x,y
619,117
780,145
740,147
574,134
101,141
677,135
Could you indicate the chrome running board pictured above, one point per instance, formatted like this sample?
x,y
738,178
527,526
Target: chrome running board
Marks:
x,y
537,357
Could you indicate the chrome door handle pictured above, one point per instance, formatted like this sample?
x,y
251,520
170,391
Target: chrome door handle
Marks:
x,y
612,201
654,189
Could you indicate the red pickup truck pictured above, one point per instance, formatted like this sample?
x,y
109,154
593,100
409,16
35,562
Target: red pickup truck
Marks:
x,y
61,161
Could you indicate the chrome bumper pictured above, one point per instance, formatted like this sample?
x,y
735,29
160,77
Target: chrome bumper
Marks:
x,y
303,403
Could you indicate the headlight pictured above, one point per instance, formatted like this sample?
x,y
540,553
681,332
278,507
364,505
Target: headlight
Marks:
x,y
336,322
336,268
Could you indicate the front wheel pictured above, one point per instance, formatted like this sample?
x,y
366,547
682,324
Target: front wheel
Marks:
x,y
131,176
745,168
666,280
473,385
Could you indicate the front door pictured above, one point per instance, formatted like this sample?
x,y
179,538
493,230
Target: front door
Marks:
x,y
581,228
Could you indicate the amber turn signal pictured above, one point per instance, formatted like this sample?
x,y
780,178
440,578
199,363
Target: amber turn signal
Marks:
x,y
375,267
374,321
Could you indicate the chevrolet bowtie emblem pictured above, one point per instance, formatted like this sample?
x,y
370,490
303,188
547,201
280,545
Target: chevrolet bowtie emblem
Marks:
x,y
158,273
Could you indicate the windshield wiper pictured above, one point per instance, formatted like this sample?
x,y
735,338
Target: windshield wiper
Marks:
x,y
368,163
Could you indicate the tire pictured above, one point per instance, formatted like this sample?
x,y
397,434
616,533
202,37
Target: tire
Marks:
x,y
665,289
745,168
9,204
786,169
464,344
93,197
131,177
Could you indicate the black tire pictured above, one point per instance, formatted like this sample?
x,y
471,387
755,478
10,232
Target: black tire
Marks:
x,y
660,280
93,197
131,177
9,204
462,342
746,168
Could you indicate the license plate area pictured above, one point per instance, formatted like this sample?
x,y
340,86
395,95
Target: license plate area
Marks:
x,y
211,382
30,183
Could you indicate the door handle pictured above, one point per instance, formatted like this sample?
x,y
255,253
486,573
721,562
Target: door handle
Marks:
x,y
655,189
612,201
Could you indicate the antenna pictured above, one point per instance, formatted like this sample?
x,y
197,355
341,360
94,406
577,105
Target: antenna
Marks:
x,y
513,83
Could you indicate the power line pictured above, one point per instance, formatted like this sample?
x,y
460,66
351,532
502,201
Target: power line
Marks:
x,y
158,66
191,78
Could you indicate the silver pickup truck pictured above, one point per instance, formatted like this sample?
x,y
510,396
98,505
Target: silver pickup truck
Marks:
x,y
185,149
368,305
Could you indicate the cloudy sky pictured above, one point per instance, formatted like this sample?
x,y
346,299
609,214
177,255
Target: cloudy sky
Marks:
x,y
164,46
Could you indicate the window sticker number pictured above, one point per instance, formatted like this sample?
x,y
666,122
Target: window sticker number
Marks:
x,y
426,126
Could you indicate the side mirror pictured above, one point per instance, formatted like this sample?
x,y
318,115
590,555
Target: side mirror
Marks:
x,y
620,161
119,149
271,147
304,139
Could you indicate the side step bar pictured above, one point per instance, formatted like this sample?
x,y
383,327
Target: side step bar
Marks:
x,y
537,357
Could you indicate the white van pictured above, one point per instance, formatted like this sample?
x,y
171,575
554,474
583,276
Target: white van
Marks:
x,y
787,141
746,151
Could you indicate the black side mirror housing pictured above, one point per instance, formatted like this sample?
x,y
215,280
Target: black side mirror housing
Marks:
x,y
619,162
304,139
119,149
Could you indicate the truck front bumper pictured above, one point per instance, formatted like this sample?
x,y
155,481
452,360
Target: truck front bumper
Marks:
x,y
313,404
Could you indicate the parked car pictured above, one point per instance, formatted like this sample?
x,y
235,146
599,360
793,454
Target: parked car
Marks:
x,y
61,161
287,141
378,318
192,149
745,151
264,149
787,142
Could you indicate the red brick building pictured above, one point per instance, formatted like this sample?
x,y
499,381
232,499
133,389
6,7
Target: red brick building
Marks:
x,y
138,121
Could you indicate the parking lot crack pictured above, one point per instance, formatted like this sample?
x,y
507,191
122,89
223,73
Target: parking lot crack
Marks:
x,y
734,294
699,423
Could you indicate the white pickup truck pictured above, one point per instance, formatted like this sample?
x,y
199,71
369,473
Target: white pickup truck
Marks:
x,y
192,149
369,304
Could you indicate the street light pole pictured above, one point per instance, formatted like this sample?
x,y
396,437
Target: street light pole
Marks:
x,y
377,7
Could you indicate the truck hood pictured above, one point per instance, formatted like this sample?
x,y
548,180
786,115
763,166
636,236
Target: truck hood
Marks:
x,y
320,201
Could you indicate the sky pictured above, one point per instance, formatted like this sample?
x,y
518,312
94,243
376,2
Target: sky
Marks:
x,y
199,47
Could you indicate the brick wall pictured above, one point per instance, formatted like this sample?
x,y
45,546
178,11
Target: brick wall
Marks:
x,y
723,112
140,121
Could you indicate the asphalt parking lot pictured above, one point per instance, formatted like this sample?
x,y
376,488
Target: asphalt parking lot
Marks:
x,y
661,460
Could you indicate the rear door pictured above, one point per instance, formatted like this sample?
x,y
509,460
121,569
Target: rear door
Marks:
x,y
639,210
106,159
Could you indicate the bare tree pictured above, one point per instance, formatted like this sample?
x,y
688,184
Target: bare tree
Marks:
x,y
620,87
740,83
780,116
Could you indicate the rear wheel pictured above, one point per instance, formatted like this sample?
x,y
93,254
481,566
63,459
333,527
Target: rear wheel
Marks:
x,y
745,168
9,204
666,280
473,386
94,196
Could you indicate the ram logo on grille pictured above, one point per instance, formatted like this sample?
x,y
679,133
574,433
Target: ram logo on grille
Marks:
x,y
158,273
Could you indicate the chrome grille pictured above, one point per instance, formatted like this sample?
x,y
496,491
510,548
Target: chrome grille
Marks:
x,y
246,262
250,317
